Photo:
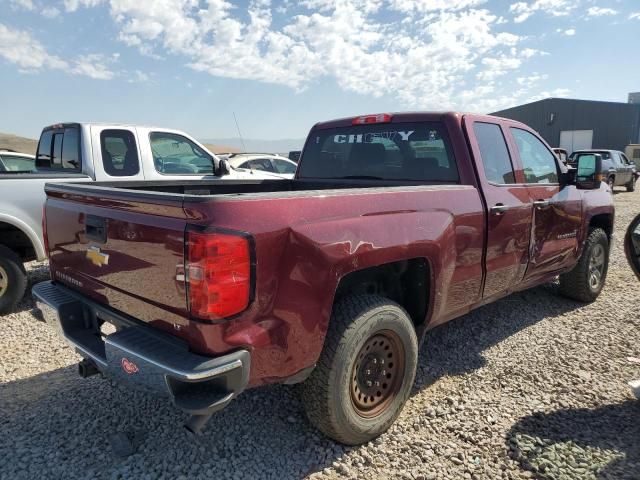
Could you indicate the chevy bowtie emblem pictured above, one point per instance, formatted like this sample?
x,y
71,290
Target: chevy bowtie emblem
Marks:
x,y
97,257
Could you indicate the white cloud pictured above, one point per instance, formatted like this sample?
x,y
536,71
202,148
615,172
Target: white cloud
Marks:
x,y
422,53
599,11
50,12
94,66
26,4
634,16
556,8
73,5
570,32
29,55
19,48
422,57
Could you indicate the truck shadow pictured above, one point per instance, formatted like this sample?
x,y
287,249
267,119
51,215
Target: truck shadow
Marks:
x,y
58,425
553,445
457,347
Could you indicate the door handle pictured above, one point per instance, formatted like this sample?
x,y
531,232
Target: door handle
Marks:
x,y
499,209
541,204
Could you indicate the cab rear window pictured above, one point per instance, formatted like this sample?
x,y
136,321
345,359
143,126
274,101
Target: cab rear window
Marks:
x,y
418,152
59,149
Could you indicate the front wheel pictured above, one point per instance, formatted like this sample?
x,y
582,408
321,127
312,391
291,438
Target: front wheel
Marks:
x,y
631,186
365,372
586,280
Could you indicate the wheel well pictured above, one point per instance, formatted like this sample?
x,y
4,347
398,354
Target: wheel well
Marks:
x,y
406,282
18,241
603,221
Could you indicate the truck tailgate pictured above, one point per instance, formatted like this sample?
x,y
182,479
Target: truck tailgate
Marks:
x,y
121,251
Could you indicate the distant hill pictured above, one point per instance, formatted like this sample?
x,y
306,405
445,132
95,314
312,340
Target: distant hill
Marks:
x,y
265,146
19,144
217,148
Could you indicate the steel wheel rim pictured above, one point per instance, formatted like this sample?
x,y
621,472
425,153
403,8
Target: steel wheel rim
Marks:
x,y
596,266
377,374
4,281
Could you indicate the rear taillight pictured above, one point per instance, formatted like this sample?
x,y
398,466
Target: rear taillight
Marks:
x,y
366,119
45,238
218,274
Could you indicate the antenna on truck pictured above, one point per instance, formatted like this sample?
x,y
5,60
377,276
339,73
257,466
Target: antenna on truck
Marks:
x,y
239,133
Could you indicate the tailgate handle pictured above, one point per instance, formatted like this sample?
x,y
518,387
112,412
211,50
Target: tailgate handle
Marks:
x,y
96,228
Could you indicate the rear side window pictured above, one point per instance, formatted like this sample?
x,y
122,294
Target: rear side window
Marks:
x,y
263,164
59,149
119,153
174,154
390,151
539,163
71,149
284,167
495,155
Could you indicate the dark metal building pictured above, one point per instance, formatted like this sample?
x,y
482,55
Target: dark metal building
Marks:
x,y
578,124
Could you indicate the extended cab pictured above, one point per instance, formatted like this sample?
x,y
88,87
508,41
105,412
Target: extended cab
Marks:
x,y
393,224
86,152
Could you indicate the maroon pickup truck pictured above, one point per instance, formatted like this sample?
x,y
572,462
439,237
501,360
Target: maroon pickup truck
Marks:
x,y
393,224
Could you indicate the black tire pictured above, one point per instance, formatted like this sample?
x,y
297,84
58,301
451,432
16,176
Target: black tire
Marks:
x,y
13,280
577,284
631,186
327,394
611,181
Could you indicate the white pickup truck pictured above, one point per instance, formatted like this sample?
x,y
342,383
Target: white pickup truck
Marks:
x,y
85,152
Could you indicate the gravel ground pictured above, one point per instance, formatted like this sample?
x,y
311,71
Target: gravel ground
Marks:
x,y
533,386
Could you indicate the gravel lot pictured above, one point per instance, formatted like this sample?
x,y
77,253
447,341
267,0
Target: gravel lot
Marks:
x,y
534,386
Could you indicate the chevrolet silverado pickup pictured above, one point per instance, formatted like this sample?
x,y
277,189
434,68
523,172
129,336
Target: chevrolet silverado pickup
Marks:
x,y
87,152
392,225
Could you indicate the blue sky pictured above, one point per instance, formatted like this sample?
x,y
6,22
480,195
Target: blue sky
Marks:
x,y
282,66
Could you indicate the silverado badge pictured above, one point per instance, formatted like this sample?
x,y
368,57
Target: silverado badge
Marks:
x,y
97,257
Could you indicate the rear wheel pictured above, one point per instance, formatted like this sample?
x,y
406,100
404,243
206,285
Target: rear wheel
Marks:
x,y
631,186
365,372
611,182
13,279
586,280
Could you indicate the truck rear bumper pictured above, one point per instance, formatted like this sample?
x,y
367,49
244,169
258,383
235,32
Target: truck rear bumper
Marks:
x,y
141,356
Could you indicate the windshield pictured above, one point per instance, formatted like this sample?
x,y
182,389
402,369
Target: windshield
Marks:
x,y
13,163
390,151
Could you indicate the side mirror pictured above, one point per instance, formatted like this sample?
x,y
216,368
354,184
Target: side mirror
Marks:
x,y
589,171
221,167
632,245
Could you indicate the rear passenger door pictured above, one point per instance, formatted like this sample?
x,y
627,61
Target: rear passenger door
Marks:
x,y
557,209
508,204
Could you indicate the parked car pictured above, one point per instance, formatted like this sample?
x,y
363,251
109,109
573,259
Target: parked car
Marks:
x,y
393,224
617,169
86,152
11,161
632,152
263,162
562,154
632,252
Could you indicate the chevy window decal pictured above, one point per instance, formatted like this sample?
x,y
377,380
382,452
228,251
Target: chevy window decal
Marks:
x,y
372,137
